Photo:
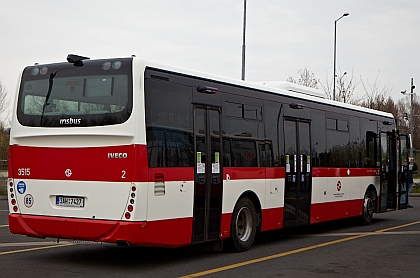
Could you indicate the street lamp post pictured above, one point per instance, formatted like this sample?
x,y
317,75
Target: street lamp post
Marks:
x,y
411,114
243,44
335,47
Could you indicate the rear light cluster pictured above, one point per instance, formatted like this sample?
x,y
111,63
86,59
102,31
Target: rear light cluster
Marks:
x,y
12,196
130,206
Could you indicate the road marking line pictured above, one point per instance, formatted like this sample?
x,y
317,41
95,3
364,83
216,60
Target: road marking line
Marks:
x,y
398,227
2,226
361,233
41,243
33,249
4,210
279,255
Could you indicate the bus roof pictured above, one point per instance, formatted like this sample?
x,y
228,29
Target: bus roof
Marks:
x,y
277,87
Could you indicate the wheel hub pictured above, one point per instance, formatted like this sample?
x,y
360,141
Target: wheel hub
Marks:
x,y
244,224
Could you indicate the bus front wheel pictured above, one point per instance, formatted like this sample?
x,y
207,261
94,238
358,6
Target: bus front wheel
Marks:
x,y
368,208
243,226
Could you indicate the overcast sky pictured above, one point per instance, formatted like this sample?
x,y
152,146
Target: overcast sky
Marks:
x,y
282,37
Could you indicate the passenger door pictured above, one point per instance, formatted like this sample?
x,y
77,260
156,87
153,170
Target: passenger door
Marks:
x,y
403,149
388,191
207,173
298,184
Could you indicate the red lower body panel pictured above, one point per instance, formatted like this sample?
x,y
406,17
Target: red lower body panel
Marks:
x,y
225,225
272,219
335,210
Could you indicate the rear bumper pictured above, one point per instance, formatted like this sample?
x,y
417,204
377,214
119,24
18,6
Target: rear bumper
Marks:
x,y
82,229
165,233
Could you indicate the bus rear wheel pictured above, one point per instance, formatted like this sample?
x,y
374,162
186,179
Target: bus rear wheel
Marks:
x,y
368,208
243,226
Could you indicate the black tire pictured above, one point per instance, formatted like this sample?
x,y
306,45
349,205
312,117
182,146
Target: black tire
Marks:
x,y
243,227
368,208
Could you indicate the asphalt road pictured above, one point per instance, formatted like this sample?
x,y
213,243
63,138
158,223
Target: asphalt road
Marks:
x,y
390,247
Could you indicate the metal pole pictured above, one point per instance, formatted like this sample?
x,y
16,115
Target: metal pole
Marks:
x,y
335,43
411,117
243,44
335,47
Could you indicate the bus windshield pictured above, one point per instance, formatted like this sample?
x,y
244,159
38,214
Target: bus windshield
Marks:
x,y
59,95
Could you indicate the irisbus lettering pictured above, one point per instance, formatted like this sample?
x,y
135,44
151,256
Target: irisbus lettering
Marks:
x,y
70,121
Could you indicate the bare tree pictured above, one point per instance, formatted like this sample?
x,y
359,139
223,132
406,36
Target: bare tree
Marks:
x,y
4,102
306,78
345,86
403,116
4,131
375,95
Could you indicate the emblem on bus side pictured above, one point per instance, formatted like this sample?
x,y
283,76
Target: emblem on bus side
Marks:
x,y
68,173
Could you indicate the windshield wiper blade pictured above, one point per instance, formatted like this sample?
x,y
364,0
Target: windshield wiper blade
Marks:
x,y
47,97
50,81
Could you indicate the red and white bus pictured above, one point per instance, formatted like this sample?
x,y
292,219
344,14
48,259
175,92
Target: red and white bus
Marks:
x,y
132,152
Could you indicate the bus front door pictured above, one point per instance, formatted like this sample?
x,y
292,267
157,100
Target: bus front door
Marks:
x,y
403,150
207,174
388,191
298,184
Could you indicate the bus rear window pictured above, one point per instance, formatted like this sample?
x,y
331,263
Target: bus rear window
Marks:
x,y
86,96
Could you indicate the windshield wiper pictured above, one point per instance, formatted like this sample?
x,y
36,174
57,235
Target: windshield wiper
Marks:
x,y
50,85
50,81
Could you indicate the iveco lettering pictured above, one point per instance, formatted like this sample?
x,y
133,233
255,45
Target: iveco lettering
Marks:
x,y
117,155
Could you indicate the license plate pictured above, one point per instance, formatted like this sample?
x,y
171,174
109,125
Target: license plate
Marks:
x,y
65,201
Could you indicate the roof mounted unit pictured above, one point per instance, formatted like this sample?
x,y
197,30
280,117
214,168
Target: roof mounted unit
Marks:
x,y
292,87
76,60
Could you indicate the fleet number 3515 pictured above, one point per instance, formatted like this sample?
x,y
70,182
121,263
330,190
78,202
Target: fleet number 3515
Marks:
x,y
24,171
